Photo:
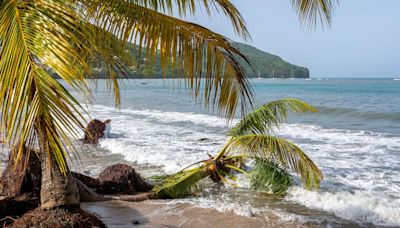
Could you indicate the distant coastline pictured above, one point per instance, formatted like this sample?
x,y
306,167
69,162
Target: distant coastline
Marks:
x,y
263,65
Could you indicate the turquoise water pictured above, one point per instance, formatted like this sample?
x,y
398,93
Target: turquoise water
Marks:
x,y
361,104
354,139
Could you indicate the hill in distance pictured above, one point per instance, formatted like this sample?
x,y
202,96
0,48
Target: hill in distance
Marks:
x,y
265,65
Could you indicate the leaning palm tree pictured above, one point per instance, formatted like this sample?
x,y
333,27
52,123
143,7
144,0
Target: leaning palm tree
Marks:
x,y
252,140
65,36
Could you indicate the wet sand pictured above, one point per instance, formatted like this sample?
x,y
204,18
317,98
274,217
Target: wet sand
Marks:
x,y
160,213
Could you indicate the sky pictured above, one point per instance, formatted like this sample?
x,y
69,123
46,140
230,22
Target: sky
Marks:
x,y
363,41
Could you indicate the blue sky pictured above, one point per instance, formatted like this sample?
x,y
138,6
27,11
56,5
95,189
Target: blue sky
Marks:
x,y
364,40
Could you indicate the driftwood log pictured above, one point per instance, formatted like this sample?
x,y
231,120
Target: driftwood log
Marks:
x,y
94,131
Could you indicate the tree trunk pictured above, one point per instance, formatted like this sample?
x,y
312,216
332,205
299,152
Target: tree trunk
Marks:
x,y
21,177
57,189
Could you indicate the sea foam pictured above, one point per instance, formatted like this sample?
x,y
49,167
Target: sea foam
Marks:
x,y
361,181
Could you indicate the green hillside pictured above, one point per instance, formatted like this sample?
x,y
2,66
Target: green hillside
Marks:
x,y
268,65
265,66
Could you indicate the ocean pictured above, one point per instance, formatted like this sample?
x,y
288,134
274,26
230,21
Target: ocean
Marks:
x,y
354,139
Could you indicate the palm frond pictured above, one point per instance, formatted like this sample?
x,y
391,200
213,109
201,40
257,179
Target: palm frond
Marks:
x,y
184,7
281,151
267,176
62,44
312,11
181,184
31,100
205,60
114,55
269,116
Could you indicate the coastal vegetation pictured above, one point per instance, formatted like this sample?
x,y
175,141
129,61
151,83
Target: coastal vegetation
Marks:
x,y
41,118
66,36
266,65
252,140
263,65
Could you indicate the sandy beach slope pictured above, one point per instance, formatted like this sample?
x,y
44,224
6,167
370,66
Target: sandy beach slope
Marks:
x,y
160,213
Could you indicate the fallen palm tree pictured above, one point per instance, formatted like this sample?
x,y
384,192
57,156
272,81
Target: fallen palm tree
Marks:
x,y
252,140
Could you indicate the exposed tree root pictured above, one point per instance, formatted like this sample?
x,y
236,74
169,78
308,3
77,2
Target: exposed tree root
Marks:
x,y
11,208
88,195
58,218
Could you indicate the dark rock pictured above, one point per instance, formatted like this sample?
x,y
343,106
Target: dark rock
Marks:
x,y
203,140
122,179
94,131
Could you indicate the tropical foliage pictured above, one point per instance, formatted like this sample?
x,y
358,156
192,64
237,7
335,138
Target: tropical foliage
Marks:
x,y
252,140
68,41
66,35
263,64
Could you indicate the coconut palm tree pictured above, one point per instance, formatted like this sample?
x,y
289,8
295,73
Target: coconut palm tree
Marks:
x,y
65,36
252,140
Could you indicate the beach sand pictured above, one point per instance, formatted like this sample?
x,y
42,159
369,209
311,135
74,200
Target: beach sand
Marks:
x,y
162,213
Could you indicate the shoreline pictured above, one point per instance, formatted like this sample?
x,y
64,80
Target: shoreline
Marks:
x,y
163,213
159,213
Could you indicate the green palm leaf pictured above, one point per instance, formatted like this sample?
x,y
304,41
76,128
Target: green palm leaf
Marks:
x,y
30,98
181,184
269,116
281,151
267,176
112,53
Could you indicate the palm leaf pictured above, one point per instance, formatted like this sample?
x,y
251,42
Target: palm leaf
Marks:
x,y
207,61
181,184
310,11
280,151
30,98
62,44
269,116
112,53
267,176
183,7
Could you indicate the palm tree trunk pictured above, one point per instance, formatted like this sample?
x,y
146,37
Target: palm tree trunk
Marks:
x,y
57,189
